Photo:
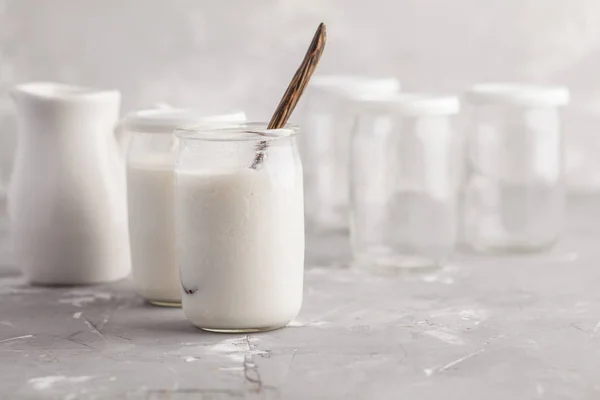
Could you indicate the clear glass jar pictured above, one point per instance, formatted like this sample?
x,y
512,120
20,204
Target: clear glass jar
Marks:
x,y
514,194
405,169
325,144
150,186
240,227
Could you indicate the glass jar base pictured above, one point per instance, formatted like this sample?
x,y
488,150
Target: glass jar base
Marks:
x,y
512,248
329,221
390,263
246,330
160,303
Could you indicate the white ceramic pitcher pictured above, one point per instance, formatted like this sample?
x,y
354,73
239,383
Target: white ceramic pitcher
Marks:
x,y
67,201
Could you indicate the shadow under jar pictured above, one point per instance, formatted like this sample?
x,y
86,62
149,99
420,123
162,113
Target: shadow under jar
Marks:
x,y
240,227
405,168
150,186
514,194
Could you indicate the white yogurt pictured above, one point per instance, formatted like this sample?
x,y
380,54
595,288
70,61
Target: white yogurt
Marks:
x,y
240,238
150,198
150,185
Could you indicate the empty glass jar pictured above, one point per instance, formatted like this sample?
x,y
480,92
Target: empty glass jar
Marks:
x,y
150,186
514,195
325,144
405,170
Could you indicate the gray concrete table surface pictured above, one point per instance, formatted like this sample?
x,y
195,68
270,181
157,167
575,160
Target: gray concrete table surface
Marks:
x,y
509,327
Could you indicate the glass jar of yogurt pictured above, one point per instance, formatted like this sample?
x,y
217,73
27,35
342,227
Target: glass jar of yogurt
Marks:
x,y
328,118
405,179
514,195
150,186
240,227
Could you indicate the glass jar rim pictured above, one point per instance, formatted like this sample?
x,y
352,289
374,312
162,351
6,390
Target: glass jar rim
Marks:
x,y
354,85
164,119
518,94
236,132
410,104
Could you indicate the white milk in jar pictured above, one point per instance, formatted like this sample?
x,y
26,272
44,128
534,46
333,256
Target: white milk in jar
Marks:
x,y
240,230
150,184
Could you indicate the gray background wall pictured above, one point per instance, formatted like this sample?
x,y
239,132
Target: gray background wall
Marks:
x,y
231,54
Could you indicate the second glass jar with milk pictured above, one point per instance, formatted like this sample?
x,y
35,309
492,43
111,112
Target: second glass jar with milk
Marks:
x,y
150,182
